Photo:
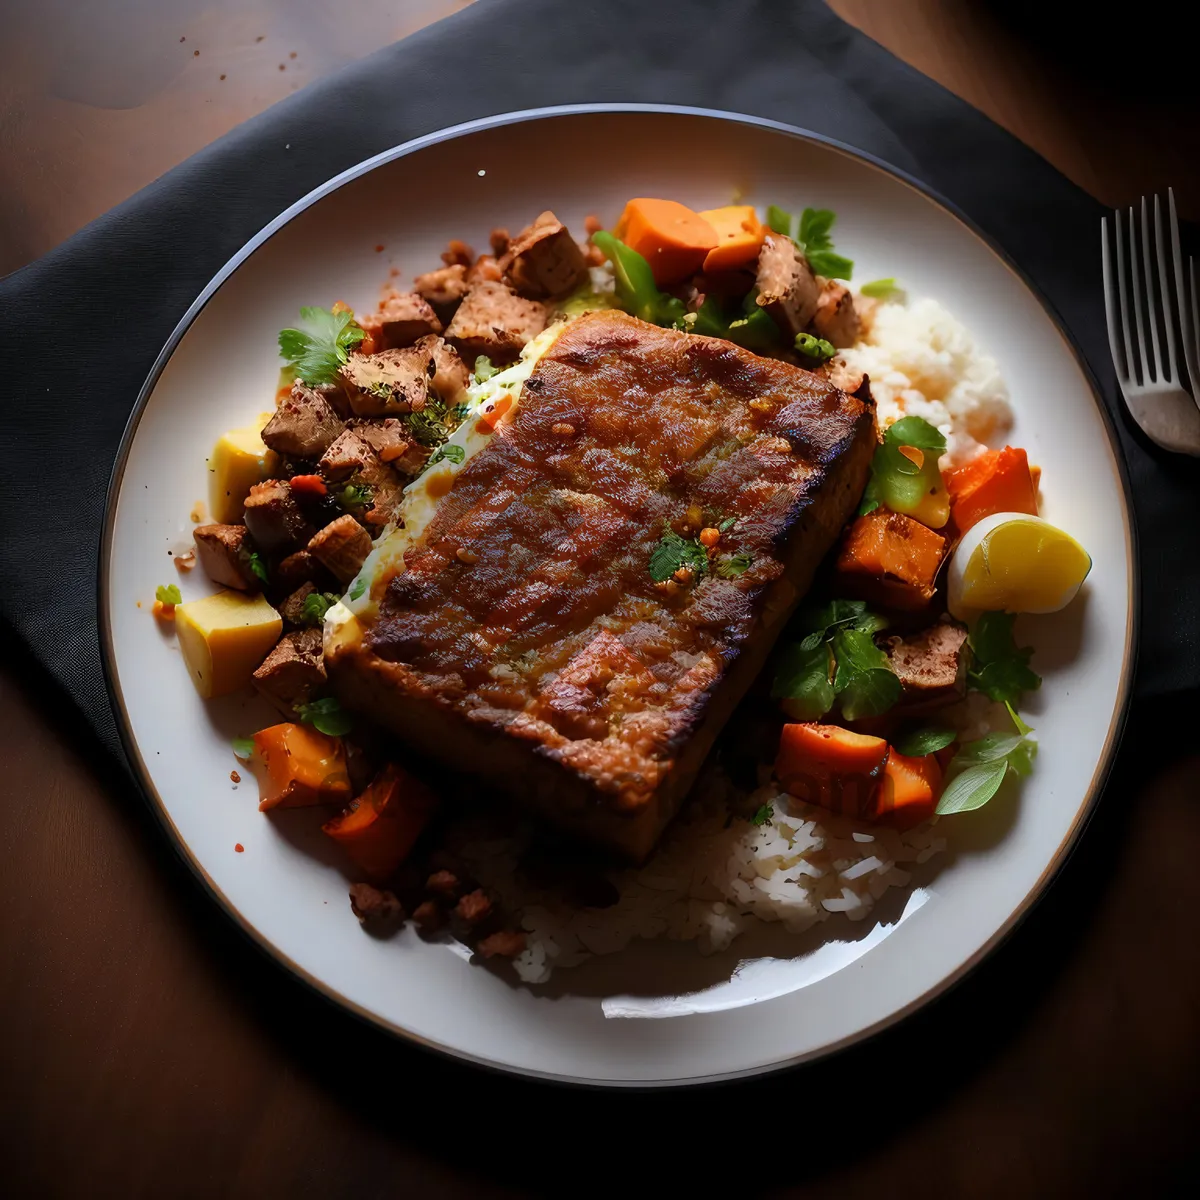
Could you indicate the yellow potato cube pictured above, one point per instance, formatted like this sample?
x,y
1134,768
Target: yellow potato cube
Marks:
x,y
224,638
239,460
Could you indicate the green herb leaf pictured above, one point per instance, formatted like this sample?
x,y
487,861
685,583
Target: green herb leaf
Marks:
x,y
636,291
979,768
454,454
360,586
814,239
802,679
323,346
257,567
357,495
919,742
1016,719
896,480
733,566
316,605
243,748
763,816
755,331
484,368
916,431
326,716
779,220
168,594
972,788
870,498
882,289
814,347
829,618
998,668
865,683
673,552
726,525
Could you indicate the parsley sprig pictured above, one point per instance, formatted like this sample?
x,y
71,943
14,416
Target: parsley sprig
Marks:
x,y
999,668
316,605
812,236
980,767
837,661
323,346
168,595
675,551
326,716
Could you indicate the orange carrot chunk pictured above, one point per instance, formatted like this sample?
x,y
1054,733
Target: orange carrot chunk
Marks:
x,y
829,766
296,766
379,828
312,484
908,791
740,236
997,481
672,238
890,559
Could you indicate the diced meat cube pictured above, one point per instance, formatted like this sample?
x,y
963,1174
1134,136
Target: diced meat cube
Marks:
x,y
428,916
292,609
495,321
387,436
485,269
931,664
375,906
342,546
444,883
351,458
473,907
402,319
294,672
274,518
543,259
443,288
836,319
450,375
787,288
224,553
458,253
303,425
299,568
390,382
499,241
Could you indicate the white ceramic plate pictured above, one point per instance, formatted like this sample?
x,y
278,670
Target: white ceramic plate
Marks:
x,y
657,1014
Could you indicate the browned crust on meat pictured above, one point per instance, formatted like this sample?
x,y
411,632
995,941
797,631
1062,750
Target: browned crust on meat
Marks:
x,y
526,641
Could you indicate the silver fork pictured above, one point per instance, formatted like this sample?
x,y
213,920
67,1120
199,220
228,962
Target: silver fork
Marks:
x,y
1154,394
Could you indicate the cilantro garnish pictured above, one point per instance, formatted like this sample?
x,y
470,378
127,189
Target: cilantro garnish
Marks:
x,y
257,567
919,742
814,239
779,220
243,748
674,552
896,480
814,347
428,426
360,586
316,605
998,668
326,716
837,660
168,594
763,816
454,454
323,346
733,565
980,767
882,289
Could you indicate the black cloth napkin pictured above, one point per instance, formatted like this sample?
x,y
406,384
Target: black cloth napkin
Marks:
x,y
80,329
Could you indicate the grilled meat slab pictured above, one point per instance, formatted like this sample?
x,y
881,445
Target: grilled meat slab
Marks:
x,y
526,640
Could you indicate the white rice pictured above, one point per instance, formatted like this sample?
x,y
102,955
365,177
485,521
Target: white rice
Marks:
x,y
923,362
715,873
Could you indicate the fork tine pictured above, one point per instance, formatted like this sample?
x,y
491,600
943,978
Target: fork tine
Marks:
x,y
1112,304
1137,298
1181,300
1191,331
1123,295
1164,299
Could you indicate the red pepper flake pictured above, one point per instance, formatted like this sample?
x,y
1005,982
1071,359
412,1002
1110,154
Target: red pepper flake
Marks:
x,y
379,248
239,848
234,777
314,485
283,66
292,55
222,76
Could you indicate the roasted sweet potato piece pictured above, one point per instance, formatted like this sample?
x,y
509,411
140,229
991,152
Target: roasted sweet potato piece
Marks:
x,y
830,766
908,791
379,828
891,560
296,766
997,481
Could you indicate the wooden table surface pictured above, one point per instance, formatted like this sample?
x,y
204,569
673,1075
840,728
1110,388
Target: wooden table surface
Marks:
x,y
146,1051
